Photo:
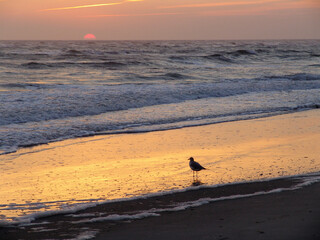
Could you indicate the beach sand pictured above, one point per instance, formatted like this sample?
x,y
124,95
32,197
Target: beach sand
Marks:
x,y
121,166
293,215
286,215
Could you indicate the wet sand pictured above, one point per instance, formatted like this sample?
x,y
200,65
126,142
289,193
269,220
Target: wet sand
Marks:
x,y
285,214
46,177
293,215
121,166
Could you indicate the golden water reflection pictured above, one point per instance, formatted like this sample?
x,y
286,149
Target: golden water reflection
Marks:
x,y
119,166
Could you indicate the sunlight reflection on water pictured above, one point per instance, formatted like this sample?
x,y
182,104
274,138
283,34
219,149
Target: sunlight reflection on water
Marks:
x,y
120,166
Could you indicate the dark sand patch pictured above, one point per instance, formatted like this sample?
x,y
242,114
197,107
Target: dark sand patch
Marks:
x,y
293,214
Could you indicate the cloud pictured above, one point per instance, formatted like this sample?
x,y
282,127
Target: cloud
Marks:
x,y
90,6
260,9
132,15
221,4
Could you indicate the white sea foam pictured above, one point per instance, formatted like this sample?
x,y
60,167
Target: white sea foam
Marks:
x,y
155,212
85,235
27,219
190,204
42,229
50,91
304,180
117,217
85,215
33,224
148,118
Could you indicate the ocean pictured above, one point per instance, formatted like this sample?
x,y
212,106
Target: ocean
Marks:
x,y
52,91
55,90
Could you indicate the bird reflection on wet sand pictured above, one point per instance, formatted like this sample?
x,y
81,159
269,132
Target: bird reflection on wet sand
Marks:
x,y
196,182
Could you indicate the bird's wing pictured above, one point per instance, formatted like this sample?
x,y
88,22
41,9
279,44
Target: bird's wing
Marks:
x,y
198,166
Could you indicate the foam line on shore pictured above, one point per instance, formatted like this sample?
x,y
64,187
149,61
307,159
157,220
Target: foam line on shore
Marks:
x,y
304,180
202,201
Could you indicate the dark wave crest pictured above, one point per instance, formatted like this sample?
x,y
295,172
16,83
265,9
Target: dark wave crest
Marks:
x,y
35,65
241,52
109,64
174,76
72,52
298,77
219,57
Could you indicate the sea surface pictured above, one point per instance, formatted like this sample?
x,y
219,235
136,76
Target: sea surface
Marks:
x,y
55,90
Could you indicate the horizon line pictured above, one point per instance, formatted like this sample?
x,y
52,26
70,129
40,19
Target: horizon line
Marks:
x,y
218,39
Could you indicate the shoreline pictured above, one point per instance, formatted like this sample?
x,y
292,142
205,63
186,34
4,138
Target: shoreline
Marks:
x,y
129,132
288,215
253,155
166,216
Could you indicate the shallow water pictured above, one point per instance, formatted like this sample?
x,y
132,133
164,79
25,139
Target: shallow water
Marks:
x,y
54,90
89,170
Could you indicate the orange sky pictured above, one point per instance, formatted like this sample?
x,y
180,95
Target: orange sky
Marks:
x,y
159,19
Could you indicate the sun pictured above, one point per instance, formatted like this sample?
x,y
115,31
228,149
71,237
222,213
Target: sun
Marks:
x,y
89,36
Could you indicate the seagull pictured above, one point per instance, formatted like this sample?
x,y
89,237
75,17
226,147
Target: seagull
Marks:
x,y
195,166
